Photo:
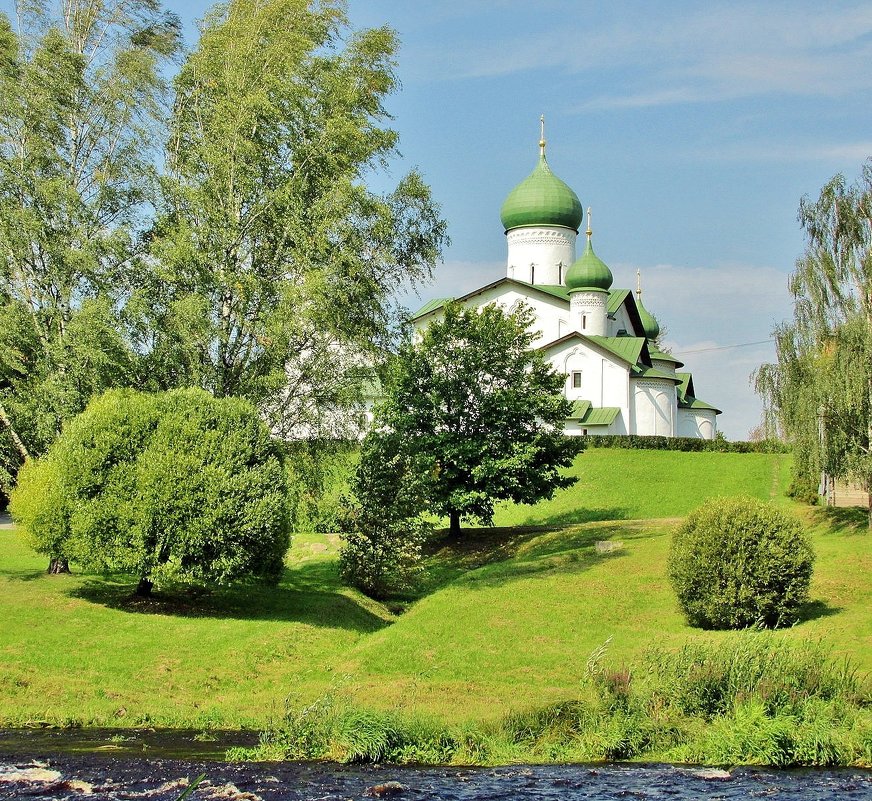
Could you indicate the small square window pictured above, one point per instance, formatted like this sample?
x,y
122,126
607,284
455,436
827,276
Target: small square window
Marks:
x,y
576,379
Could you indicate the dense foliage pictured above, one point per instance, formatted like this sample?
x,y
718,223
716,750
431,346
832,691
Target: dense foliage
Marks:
x,y
819,394
738,562
479,412
382,528
278,262
219,232
171,487
82,92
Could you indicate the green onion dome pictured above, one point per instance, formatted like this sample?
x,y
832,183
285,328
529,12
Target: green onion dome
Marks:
x,y
541,199
589,271
649,324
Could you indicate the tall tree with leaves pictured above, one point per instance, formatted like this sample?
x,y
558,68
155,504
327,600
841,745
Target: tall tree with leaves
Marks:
x,y
277,261
821,388
478,413
81,87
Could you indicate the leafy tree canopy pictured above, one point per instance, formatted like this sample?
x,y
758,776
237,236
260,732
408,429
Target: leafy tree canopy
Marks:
x,y
171,487
277,262
820,391
481,413
82,97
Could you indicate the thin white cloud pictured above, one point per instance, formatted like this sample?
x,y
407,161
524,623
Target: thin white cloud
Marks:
x,y
714,52
845,152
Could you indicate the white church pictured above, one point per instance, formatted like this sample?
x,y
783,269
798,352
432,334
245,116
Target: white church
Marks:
x,y
601,339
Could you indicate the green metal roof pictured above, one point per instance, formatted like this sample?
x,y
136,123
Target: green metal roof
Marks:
x,y
649,324
616,300
685,386
603,416
690,402
589,271
627,348
431,305
643,371
686,399
541,199
664,357
579,409
558,290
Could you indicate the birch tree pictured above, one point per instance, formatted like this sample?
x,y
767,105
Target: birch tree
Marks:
x,y
278,260
82,91
821,388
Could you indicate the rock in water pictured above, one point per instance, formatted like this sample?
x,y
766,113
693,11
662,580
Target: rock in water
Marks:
x,y
386,789
713,774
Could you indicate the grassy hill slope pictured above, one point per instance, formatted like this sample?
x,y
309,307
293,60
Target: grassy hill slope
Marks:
x,y
507,618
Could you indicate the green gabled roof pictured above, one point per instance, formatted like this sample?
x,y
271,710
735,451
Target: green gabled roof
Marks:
x,y
604,416
558,290
689,402
431,305
685,386
627,348
616,300
579,409
664,357
686,399
643,371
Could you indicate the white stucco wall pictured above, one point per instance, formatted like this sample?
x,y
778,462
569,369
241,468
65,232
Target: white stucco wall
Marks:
x,y
666,367
551,313
604,382
654,407
622,322
587,312
535,254
697,423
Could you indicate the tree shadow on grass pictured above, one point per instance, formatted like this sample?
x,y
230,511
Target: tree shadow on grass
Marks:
x,y
812,610
491,556
290,602
847,519
539,517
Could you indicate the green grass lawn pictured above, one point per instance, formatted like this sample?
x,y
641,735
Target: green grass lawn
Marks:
x,y
506,619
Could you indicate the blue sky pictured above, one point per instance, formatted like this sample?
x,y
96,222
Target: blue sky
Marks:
x,y
692,130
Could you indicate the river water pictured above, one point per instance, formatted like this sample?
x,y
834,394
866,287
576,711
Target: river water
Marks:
x,y
35,766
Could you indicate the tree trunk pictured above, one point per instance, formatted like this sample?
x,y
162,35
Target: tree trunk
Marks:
x,y
143,589
454,523
16,440
58,565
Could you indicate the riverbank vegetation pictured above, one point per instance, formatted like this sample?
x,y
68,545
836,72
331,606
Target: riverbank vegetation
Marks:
x,y
757,700
504,623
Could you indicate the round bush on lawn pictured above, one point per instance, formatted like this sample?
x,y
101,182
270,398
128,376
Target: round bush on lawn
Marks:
x,y
172,487
737,562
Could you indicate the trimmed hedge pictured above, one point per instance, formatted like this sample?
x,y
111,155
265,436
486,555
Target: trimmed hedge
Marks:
x,y
739,562
638,442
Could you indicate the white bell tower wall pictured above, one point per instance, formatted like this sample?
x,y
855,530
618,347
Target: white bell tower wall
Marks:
x,y
587,311
540,254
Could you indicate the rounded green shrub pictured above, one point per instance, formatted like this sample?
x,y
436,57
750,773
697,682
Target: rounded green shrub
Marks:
x,y
738,562
170,487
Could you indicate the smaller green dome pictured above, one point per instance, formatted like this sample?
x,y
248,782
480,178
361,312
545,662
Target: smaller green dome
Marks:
x,y
541,199
649,324
589,271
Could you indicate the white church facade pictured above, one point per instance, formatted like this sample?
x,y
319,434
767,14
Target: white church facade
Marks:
x,y
601,339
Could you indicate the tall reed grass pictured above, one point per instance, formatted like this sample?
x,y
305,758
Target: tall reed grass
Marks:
x,y
755,699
